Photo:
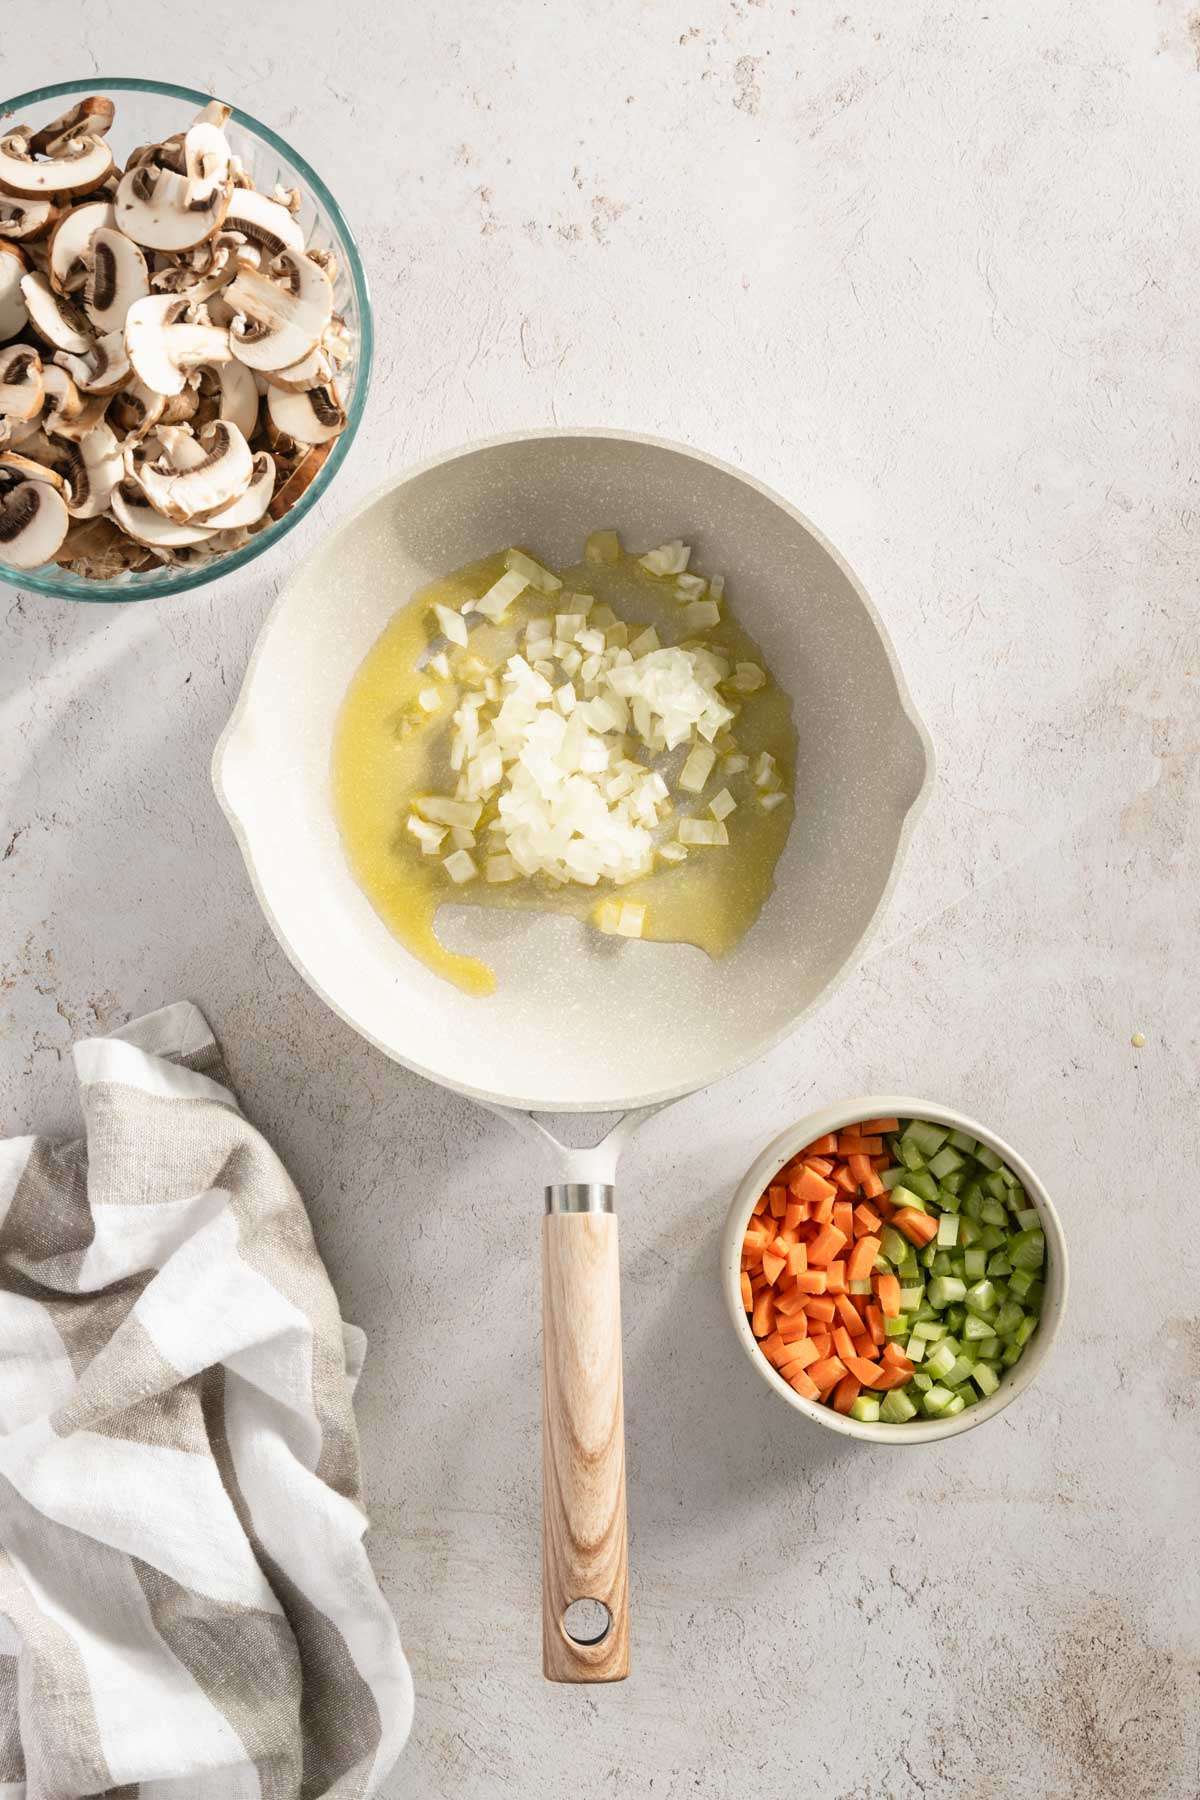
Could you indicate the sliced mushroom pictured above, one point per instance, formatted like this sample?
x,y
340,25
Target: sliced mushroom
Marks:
x,y
26,219
79,165
287,197
251,505
33,523
315,417
28,468
281,315
239,397
90,117
103,370
146,525
299,477
163,345
116,277
154,208
335,341
54,318
92,468
222,474
264,223
71,241
67,412
13,314
135,410
206,163
15,435
314,370
21,382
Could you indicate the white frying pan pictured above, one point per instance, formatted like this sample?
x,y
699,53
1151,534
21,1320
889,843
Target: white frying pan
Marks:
x,y
573,1027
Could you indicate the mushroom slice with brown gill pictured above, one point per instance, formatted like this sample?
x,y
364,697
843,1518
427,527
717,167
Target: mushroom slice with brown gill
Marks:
x,y
21,382
163,344
315,417
25,220
70,244
251,505
222,473
314,370
33,520
103,370
116,277
206,164
13,266
154,208
281,315
147,525
55,318
78,166
90,117
68,413
268,227
135,410
91,468
297,477
14,466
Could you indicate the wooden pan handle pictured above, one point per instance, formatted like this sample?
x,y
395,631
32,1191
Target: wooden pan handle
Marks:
x,y
584,1536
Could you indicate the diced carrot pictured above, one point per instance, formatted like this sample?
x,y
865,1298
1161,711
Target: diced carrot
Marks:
x,y
863,1347
878,1127
894,1358
760,1202
843,1343
806,1184
865,1221
872,1187
827,1372
796,1212
773,1347
774,1265
869,1373
811,1281
822,1146
846,1393
764,1314
826,1245
788,1304
820,1306
798,1259
853,1143
758,1281
887,1292
843,1179
823,1165
791,1326
821,1342
861,1261
784,1241
875,1325
860,1167
821,1211
847,1314
843,1218
880,1163
835,1277
800,1354
756,1235
804,1384
917,1227
777,1201
748,1294
894,1378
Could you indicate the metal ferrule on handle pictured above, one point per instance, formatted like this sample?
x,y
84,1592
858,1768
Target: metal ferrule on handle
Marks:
x,y
580,1197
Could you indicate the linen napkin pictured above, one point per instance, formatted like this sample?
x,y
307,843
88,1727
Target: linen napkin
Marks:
x,y
186,1607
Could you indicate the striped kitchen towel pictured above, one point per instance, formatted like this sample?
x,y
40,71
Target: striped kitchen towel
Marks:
x,y
186,1607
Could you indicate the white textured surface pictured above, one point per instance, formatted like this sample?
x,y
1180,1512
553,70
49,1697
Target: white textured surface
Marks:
x,y
930,271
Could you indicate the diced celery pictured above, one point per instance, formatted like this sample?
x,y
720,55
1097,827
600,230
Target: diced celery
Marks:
x,y
896,1408
975,1264
893,1177
957,1405
1008,1318
915,1348
998,1264
865,1409
1013,1354
981,1298
921,1381
985,1378
928,1138
947,1232
989,1349
959,1371
1025,1330
945,1290
1027,1249
948,1198
987,1157
909,1269
955,1315
909,1155
935,1401
893,1245
1028,1218
962,1142
907,1196
911,1298
925,1311
945,1162
996,1185
927,1255
896,1328
939,1360
1033,1299
930,1330
920,1181
943,1263
969,1230
1010,1179
975,1328
1021,1282
992,1237
993,1212
860,1287
972,1200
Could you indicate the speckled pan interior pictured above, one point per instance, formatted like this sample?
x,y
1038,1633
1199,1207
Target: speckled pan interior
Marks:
x,y
578,1023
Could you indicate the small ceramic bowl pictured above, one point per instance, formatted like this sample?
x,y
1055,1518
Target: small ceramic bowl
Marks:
x,y
1013,1381
148,111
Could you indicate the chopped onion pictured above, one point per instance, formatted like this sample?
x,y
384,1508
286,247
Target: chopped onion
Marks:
x,y
716,586
649,640
501,868
748,678
534,573
701,614
449,812
429,700
766,774
460,867
735,764
690,587
697,769
500,596
769,802
451,624
428,836
722,804
440,664
702,831
602,547
668,559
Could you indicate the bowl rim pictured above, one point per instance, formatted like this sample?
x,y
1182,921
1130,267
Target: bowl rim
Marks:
x,y
158,587
833,1117
275,621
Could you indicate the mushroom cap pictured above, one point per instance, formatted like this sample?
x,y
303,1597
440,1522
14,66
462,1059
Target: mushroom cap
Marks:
x,y
28,468
312,417
54,318
116,277
283,314
154,208
25,219
80,165
314,370
13,314
191,487
70,244
90,117
33,523
251,505
264,223
145,525
21,382
162,345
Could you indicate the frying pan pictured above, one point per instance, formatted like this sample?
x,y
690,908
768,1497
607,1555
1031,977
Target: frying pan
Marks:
x,y
577,1025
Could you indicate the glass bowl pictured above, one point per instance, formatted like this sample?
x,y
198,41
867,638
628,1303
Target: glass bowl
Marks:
x,y
148,111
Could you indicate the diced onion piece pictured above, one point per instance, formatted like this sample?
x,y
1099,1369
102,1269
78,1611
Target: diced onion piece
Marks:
x,y
460,867
673,853
501,868
428,836
449,812
429,700
606,916
668,559
697,769
702,831
716,586
630,920
722,804
461,838
735,764
602,617
648,641
542,579
766,773
590,641
450,623
617,636
500,596
565,698
748,678
769,802
567,626
701,614
690,587
602,547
